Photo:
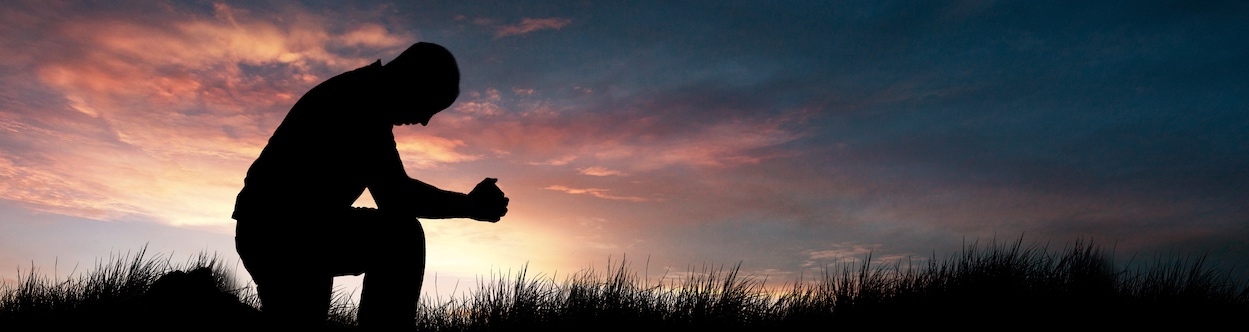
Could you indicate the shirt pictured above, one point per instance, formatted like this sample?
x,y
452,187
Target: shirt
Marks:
x,y
335,142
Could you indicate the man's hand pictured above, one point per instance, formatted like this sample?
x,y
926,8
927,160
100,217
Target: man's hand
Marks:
x,y
486,202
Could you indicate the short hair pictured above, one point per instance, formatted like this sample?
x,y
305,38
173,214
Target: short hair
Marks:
x,y
430,68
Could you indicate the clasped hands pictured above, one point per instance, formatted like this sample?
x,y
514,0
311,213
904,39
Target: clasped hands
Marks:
x,y
486,202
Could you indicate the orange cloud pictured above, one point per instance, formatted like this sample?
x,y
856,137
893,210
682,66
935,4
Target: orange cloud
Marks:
x,y
528,25
596,192
373,36
598,171
425,151
563,160
160,115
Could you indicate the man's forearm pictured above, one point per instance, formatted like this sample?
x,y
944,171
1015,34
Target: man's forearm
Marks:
x,y
413,198
441,205
427,201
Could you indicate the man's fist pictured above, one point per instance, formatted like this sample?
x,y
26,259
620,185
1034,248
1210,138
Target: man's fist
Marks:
x,y
486,201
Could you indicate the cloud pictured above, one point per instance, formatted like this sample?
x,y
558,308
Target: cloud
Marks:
x,y
849,253
481,104
425,151
718,145
560,161
158,114
596,192
627,139
528,25
372,36
840,252
598,171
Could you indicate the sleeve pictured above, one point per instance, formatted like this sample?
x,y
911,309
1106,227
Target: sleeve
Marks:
x,y
396,193
384,173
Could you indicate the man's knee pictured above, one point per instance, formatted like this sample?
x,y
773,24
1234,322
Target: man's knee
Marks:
x,y
377,226
403,244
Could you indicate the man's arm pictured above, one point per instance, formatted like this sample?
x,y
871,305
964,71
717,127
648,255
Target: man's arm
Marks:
x,y
428,201
485,203
395,192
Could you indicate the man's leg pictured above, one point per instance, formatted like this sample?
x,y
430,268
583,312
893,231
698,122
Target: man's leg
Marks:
x,y
394,271
296,301
293,290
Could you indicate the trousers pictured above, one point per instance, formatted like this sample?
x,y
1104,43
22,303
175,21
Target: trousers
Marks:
x,y
293,260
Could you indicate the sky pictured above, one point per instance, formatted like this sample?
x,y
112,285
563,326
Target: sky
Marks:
x,y
784,136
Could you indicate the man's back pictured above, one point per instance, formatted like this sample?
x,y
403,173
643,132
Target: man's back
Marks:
x,y
331,146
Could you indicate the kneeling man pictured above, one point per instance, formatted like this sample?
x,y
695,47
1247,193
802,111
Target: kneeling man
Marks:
x,y
296,229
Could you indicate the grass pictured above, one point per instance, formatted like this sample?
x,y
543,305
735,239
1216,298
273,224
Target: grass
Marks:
x,y
1025,286
127,291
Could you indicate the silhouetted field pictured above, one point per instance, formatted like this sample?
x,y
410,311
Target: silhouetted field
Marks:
x,y
992,286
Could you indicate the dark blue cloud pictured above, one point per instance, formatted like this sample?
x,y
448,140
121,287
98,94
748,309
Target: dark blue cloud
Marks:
x,y
1141,97
1130,96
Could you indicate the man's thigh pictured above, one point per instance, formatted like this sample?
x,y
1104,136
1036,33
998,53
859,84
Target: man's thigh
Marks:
x,y
371,240
345,243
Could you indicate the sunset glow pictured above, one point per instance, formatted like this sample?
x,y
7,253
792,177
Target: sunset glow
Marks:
x,y
787,137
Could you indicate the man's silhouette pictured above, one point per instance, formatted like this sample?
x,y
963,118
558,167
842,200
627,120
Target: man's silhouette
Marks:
x,y
296,228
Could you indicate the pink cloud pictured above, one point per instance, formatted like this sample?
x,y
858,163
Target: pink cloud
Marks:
x,y
480,104
425,151
624,141
159,116
852,253
372,35
528,25
599,171
560,161
717,145
596,192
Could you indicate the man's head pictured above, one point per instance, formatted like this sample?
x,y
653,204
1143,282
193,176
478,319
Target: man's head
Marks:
x,y
422,80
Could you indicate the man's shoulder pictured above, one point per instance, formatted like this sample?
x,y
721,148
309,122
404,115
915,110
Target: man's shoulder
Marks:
x,y
347,89
355,78
369,72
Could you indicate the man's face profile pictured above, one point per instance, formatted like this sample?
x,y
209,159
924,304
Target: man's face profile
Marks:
x,y
425,80
413,116
416,104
